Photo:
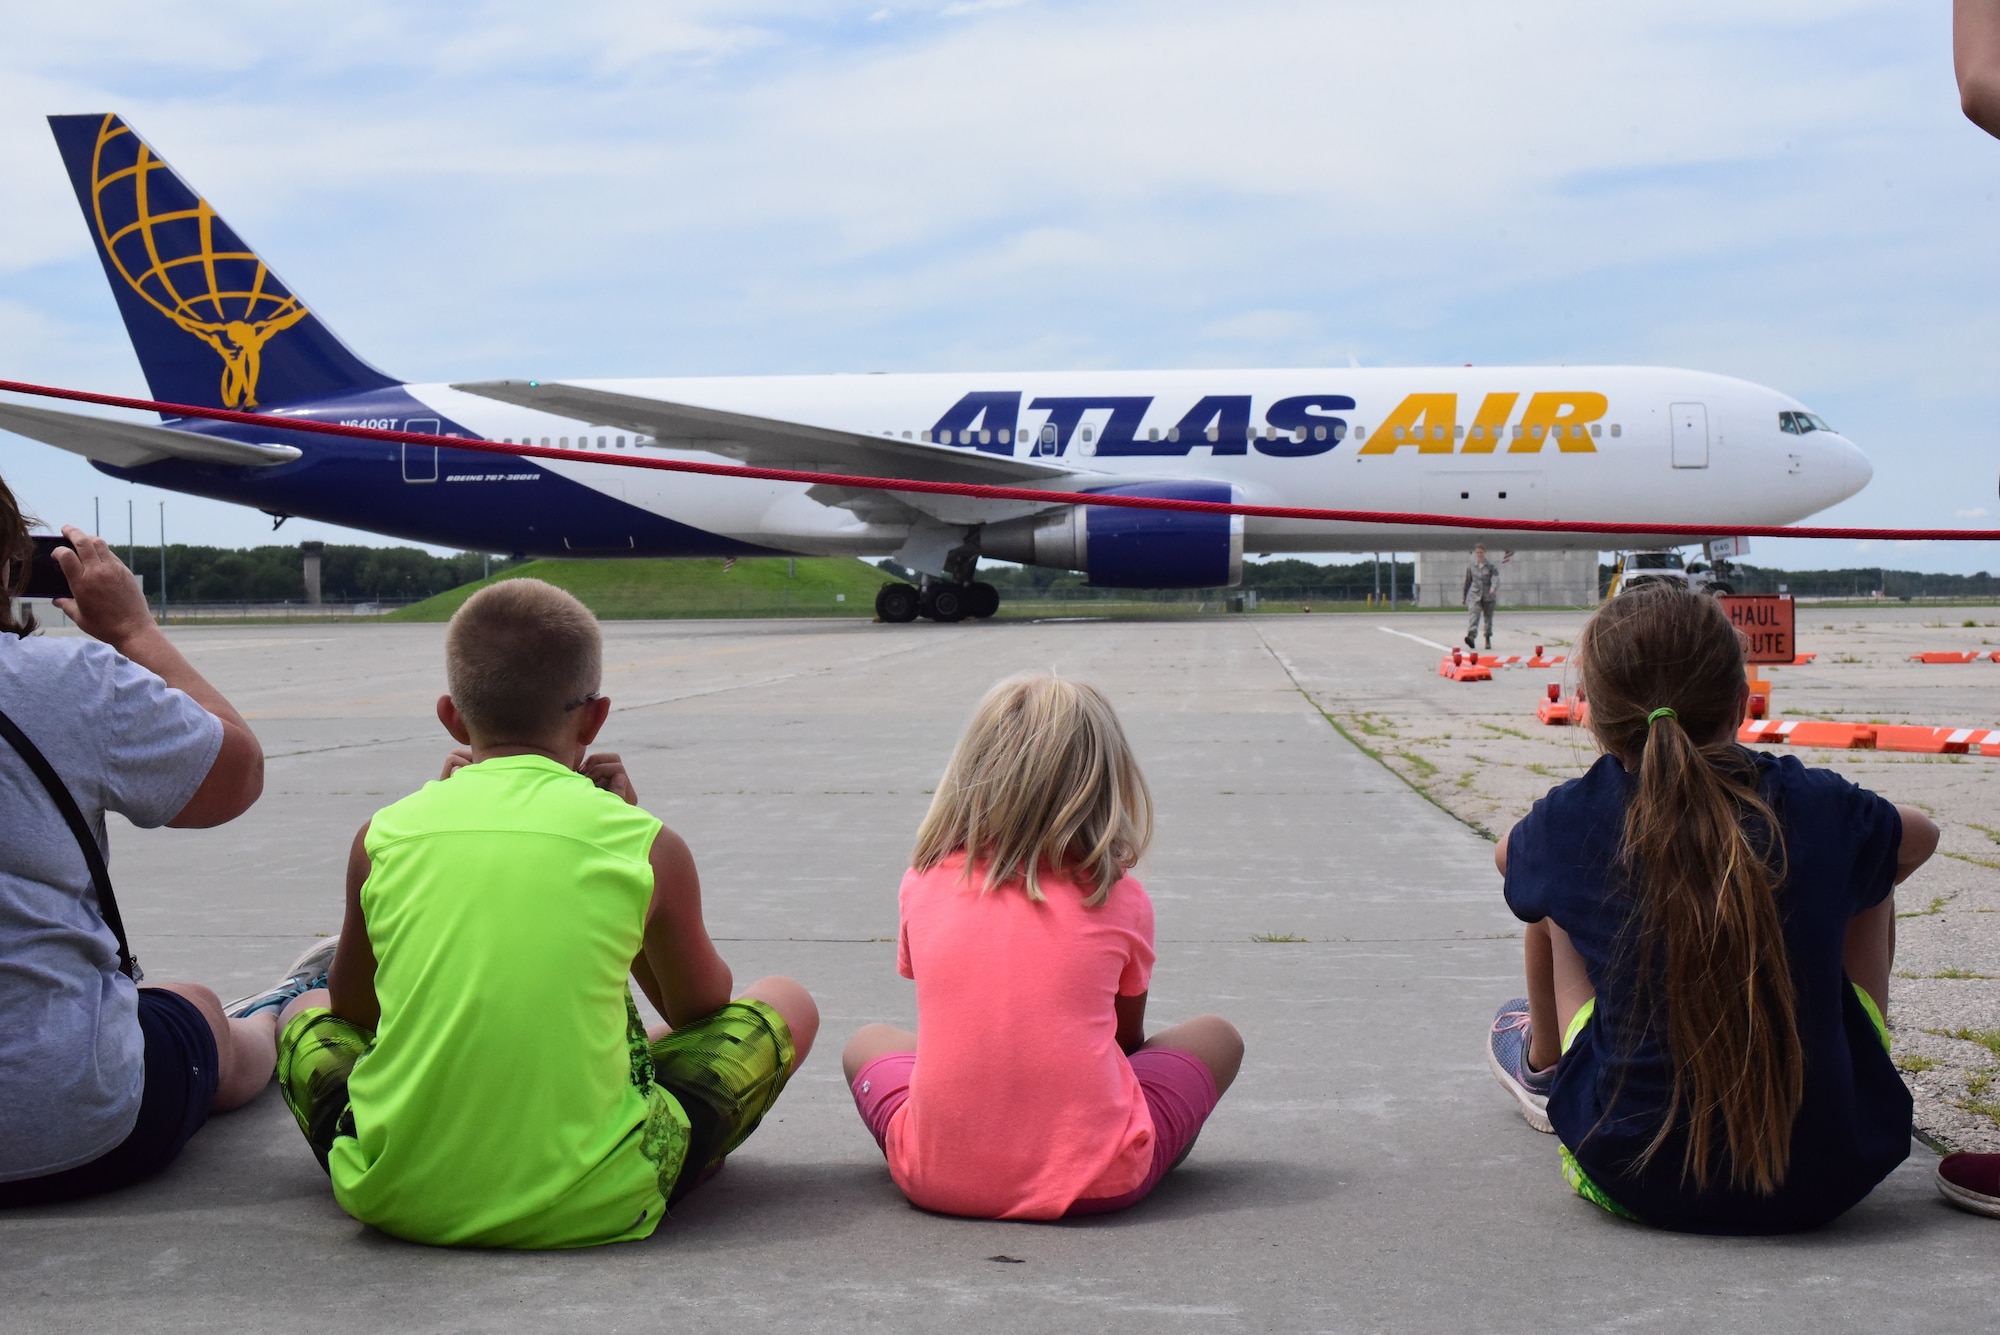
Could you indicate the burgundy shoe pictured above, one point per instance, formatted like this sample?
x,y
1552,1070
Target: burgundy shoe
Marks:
x,y
1971,1182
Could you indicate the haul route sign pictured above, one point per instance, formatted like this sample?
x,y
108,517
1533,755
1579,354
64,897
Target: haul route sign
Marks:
x,y
1766,622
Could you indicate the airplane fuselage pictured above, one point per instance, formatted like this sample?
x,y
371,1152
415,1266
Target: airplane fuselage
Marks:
x,y
1602,443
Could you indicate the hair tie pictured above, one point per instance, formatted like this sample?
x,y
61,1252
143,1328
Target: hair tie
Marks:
x,y
1662,712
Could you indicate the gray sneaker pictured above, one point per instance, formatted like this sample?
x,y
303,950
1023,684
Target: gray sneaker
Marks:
x,y
308,971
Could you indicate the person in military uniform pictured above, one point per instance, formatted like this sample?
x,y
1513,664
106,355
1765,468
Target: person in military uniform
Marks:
x,y
1482,588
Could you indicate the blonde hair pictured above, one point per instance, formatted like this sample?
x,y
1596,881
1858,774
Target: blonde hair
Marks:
x,y
1042,782
518,656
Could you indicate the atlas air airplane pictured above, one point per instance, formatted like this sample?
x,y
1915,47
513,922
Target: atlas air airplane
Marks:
x,y
213,326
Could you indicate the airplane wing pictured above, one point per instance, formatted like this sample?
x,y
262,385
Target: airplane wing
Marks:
x,y
129,444
770,442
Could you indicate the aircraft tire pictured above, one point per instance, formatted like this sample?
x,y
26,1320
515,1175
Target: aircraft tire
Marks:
x,y
1721,590
896,602
982,600
946,602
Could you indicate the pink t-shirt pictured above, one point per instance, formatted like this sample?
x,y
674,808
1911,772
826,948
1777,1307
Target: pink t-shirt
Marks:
x,y
1021,1102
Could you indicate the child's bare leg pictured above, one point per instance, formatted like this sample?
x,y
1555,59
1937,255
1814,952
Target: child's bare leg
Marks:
x,y
1557,988
794,1005
1544,1034
1211,1038
318,997
1871,950
872,1041
246,1050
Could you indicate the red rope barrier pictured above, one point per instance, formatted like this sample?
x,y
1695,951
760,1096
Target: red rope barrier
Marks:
x,y
985,492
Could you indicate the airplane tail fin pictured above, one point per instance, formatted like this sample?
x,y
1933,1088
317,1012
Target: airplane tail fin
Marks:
x,y
212,324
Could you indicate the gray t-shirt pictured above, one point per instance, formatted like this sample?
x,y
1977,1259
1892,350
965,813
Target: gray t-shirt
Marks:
x,y
72,1060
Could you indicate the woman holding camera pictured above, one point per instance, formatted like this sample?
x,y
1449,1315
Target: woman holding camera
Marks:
x,y
102,1081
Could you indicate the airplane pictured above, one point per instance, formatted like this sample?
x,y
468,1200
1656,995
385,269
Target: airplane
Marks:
x,y
214,326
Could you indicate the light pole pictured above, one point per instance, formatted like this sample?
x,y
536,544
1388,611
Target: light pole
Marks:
x,y
163,561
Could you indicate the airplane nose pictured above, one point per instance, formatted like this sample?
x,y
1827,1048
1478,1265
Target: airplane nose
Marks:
x,y
1858,470
1851,466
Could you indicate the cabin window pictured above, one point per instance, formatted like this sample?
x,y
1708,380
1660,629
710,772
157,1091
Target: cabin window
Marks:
x,y
986,438
1616,431
1596,429
545,442
1319,433
1006,435
1214,434
1173,433
1399,433
1361,433
1479,433
1457,432
1339,430
1517,431
1086,433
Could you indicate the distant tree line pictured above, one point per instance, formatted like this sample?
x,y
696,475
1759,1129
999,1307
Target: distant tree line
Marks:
x,y
348,574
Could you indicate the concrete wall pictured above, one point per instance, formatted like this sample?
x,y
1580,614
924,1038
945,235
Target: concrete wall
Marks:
x,y
1530,579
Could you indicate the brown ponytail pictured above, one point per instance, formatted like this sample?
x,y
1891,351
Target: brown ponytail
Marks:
x,y
1703,856
17,554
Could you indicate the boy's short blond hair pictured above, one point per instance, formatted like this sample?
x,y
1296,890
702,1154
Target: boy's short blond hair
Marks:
x,y
1042,782
518,656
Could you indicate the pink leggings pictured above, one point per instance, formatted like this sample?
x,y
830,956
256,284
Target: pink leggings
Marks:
x,y
1180,1094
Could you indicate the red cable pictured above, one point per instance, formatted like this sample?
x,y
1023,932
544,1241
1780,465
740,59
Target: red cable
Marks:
x,y
985,492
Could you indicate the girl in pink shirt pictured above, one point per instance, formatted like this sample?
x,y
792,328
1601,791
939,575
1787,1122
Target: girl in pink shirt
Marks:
x,y
1030,1090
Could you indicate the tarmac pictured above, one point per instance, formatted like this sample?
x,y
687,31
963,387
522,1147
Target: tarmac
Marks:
x,y
1364,1174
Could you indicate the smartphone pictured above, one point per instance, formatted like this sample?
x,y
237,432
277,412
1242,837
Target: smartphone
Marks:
x,y
45,577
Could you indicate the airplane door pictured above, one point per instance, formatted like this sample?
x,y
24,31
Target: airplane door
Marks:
x,y
1690,435
420,462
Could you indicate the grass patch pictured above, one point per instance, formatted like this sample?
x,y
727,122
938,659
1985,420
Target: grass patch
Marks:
x,y
1958,973
1422,766
1510,732
1372,724
1536,767
1467,779
1276,938
643,589
1986,830
1937,906
1915,1063
1985,1038
1987,863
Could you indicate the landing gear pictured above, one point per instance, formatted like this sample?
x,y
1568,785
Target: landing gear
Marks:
x,y
938,600
897,602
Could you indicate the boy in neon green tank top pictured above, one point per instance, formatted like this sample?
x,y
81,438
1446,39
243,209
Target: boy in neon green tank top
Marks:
x,y
475,1072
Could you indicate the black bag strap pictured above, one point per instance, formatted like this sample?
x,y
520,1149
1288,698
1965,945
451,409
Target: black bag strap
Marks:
x,y
100,876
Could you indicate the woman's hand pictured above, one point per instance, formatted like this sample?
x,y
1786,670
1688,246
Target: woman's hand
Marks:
x,y
105,600
607,771
457,759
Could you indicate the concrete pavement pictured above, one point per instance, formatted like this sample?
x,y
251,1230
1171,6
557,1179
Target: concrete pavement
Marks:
x,y
1364,1174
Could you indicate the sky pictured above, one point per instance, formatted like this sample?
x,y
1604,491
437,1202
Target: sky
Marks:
x,y
1785,192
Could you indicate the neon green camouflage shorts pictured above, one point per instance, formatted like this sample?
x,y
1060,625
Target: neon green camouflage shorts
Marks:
x,y
725,1070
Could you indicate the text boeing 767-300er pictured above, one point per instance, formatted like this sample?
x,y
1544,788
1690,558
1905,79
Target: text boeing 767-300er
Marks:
x,y
214,327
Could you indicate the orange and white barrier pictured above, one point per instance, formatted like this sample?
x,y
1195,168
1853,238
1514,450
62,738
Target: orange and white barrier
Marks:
x,y
1957,656
1560,713
1872,737
1461,666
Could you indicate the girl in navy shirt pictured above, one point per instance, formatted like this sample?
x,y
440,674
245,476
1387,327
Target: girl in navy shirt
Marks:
x,y
1710,931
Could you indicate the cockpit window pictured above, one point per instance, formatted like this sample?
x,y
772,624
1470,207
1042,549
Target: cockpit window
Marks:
x,y
1799,424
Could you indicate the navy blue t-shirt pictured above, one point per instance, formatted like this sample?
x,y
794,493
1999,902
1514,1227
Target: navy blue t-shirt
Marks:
x,y
1607,1103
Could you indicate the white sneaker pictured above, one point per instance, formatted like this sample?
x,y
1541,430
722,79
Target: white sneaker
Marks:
x,y
308,971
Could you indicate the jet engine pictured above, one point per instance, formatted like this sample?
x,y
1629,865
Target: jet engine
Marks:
x,y
1123,548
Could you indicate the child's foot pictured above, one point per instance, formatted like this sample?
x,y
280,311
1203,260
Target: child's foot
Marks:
x,y
1971,1182
308,971
1507,1054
